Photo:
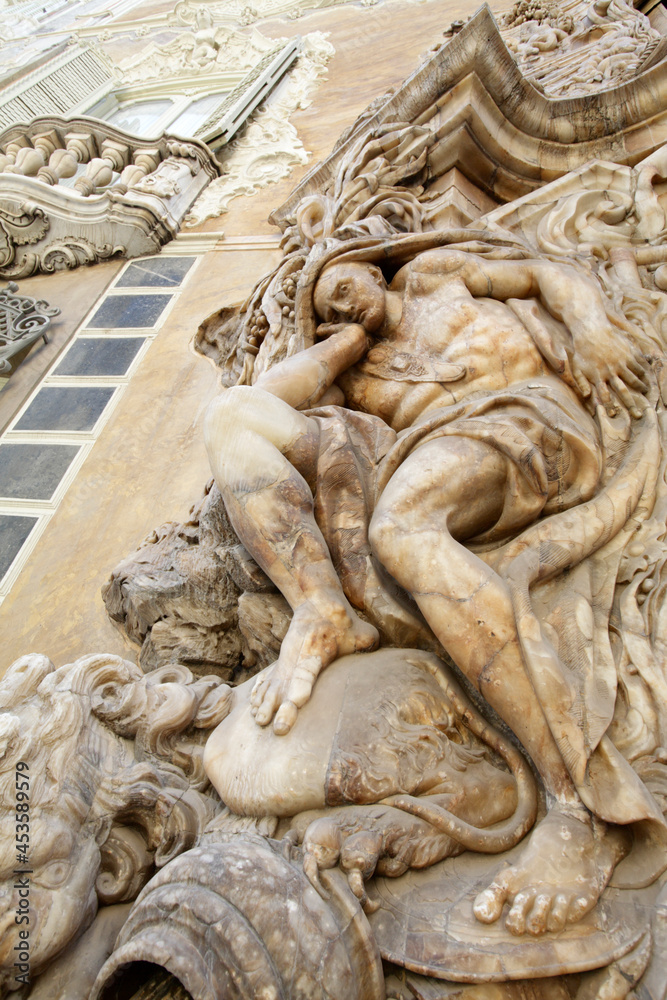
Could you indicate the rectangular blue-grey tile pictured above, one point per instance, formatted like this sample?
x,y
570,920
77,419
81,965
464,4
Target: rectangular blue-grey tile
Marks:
x,y
162,272
94,356
14,531
65,409
33,471
126,311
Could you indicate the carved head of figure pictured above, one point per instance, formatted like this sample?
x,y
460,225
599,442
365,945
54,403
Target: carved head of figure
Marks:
x,y
108,765
351,292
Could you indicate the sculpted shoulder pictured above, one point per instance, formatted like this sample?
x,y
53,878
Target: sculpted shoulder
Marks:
x,y
429,271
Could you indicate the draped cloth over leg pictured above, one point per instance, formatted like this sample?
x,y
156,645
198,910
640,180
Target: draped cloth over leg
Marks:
x,y
573,498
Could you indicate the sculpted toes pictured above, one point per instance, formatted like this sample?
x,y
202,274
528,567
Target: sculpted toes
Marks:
x,y
285,718
538,916
579,908
516,918
266,710
258,689
559,909
489,904
301,684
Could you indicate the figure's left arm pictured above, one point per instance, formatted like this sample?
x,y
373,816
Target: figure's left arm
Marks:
x,y
605,365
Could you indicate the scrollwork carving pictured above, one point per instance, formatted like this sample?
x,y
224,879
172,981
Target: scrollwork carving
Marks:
x,y
23,320
119,750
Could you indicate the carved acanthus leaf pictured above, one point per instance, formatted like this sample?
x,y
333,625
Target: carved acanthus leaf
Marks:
x,y
20,230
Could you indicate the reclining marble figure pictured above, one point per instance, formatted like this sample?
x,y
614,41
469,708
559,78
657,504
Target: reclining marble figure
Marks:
x,y
443,435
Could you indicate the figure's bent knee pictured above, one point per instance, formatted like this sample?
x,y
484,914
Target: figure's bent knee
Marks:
x,y
229,412
247,431
244,410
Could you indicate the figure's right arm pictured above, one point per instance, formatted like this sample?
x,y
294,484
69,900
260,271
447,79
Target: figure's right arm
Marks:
x,y
303,379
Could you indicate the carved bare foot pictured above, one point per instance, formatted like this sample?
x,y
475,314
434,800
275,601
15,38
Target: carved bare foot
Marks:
x,y
313,641
559,876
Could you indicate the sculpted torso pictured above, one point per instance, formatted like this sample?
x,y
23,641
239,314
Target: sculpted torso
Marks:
x,y
441,321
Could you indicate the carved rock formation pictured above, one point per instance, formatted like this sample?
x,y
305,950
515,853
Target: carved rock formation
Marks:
x,y
191,594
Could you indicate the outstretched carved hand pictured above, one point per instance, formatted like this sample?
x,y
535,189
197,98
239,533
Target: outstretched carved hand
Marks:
x,y
608,369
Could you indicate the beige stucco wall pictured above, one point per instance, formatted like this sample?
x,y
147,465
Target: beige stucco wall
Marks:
x,y
148,464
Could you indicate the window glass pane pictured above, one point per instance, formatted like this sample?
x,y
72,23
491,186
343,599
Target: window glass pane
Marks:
x,y
139,116
195,114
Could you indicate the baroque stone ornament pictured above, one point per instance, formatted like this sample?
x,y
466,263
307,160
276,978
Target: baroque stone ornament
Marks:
x,y
129,195
270,146
564,56
112,760
23,320
431,573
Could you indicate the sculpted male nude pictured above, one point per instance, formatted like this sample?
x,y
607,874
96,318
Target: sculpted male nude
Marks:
x,y
483,431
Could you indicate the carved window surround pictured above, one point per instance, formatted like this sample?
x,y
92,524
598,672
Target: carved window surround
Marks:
x,y
79,190
223,12
241,91
129,200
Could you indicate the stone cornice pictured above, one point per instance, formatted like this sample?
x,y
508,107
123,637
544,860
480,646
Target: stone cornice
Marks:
x,y
476,99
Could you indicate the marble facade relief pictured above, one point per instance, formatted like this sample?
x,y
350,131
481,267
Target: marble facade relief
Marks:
x,y
400,729
76,191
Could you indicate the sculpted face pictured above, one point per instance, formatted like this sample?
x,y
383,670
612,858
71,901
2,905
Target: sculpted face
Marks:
x,y
61,890
351,293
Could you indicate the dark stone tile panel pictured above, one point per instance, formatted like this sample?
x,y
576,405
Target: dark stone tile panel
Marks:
x,y
93,356
14,530
33,471
125,311
56,408
156,272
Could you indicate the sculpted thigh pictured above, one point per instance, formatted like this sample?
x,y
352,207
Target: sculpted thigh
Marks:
x,y
452,484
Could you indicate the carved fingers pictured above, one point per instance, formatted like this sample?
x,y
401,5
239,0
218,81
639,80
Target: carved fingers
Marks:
x,y
613,375
325,330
